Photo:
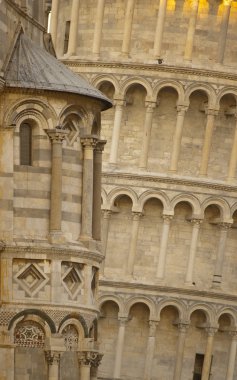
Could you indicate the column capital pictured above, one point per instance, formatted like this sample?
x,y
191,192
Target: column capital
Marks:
x,y
182,108
57,135
100,145
196,222
106,213
53,357
167,218
120,103
224,226
150,106
211,111
89,141
183,326
136,215
211,331
90,358
233,334
123,320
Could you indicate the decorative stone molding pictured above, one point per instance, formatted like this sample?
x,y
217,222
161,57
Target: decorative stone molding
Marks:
x,y
90,358
53,357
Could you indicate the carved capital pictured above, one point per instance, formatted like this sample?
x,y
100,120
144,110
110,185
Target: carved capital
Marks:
x,y
196,222
53,357
224,226
90,358
122,320
119,103
181,109
233,334
211,331
89,142
106,214
136,215
100,146
211,112
57,135
167,218
183,327
150,106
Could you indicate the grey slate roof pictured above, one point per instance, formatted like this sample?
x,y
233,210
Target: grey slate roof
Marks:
x,y
31,67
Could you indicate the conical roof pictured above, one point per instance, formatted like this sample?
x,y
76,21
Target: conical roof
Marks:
x,y
31,67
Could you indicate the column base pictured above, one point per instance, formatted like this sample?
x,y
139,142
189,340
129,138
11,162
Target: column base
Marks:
x,y
89,243
56,237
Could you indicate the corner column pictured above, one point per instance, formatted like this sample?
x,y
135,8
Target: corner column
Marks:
x,y
233,156
181,110
232,356
193,248
224,30
106,218
53,359
96,221
150,349
88,144
217,277
133,242
183,328
72,42
150,106
160,28
163,246
128,27
98,27
54,21
208,353
191,30
211,113
119,347
119,106
56,136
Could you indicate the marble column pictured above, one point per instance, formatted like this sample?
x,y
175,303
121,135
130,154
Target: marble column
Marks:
x,y
119,105
224,30
191,30
163,246
208,353
88,144
119,347
211,113
133,242
150,350
217,277
54,21
192,252
72,42
98,27
53,359
181,110
232,357
128,26
96,221
233,156
56,136
160,28
150,106
105,232
183,328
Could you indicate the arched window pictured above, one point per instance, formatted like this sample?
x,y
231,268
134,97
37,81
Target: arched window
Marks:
x,y
25,144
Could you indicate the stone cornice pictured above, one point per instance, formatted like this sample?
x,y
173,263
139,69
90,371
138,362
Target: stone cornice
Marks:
x,y
171,180
153,68
162,289
81,253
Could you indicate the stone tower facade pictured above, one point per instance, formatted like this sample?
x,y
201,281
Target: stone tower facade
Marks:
x,y
167,289
50,157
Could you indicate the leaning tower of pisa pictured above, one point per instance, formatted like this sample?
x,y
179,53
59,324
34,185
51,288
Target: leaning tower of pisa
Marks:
x,y
168,285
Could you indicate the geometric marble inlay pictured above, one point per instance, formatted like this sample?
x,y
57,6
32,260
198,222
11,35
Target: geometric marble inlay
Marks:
x,y
72,127
29,334
72,281
70,336
31,278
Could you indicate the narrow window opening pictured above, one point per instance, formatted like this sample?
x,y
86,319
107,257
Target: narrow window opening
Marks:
x,y
66,36
25,144
198,365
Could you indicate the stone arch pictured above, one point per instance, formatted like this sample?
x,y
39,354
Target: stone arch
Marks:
x,y
207,310
143,300
107,78
136,80
76,317
223,92
190,199
158,195
115,193
113,298
229,311
233,209
30,108
74,110
223,206
170,83
73,321
43,318
207,89
104,198
179,305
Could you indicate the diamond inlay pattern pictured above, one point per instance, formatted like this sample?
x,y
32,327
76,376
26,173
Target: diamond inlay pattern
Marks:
x,y
72,279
